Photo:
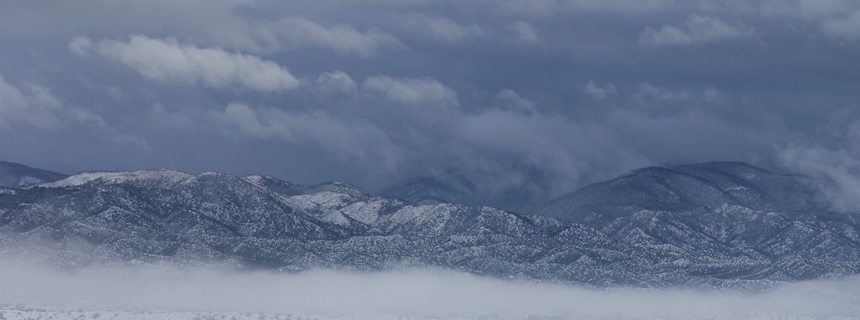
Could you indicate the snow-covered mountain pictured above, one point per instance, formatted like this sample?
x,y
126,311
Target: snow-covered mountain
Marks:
x,y
728,210
717,224
18,175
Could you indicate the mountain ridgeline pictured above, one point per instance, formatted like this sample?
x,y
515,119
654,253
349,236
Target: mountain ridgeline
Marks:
x,y
714,224
18,175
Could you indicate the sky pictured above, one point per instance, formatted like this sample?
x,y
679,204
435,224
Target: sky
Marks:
x,y
374,92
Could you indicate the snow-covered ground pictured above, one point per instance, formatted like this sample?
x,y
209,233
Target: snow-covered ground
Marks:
x,y
102,293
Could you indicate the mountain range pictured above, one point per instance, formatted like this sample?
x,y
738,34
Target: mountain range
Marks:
x,y
717,224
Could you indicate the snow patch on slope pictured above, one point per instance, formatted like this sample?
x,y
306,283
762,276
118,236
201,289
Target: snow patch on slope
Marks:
x,y
167,176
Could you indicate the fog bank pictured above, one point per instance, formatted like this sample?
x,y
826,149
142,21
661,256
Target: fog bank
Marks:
x,y
416,293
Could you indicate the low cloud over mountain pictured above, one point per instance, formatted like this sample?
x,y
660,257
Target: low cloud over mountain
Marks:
x,y
381,92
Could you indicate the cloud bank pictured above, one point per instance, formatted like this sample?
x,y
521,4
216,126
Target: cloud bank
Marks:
x,y
838,168
417,293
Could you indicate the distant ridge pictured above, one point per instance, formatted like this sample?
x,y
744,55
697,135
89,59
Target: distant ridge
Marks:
x,y
686,188
18,175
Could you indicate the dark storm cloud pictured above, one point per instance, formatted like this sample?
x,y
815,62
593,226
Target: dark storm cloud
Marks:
x,y
374,92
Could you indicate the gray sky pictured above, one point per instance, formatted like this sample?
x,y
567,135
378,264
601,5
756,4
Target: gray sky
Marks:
x,y
374,92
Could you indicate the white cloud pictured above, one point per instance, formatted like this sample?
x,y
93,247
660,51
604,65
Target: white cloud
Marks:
x,y
351,141
839,166
36,106
686,136
164,118
81,46
846,27
648,92
441,28
169,61
510,100
298,32
839,19
391,121
412,92
210,23
337,81
621,6
386,124
713,95
533,139
513,128
526,33
549,7
666,36
246,121
697,30
598,93
817,9
114,93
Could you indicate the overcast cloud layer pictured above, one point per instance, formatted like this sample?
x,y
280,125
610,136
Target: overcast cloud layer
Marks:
x,y
375,92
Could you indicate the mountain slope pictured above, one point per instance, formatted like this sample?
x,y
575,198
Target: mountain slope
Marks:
x,y
690,188
19,175
728,210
